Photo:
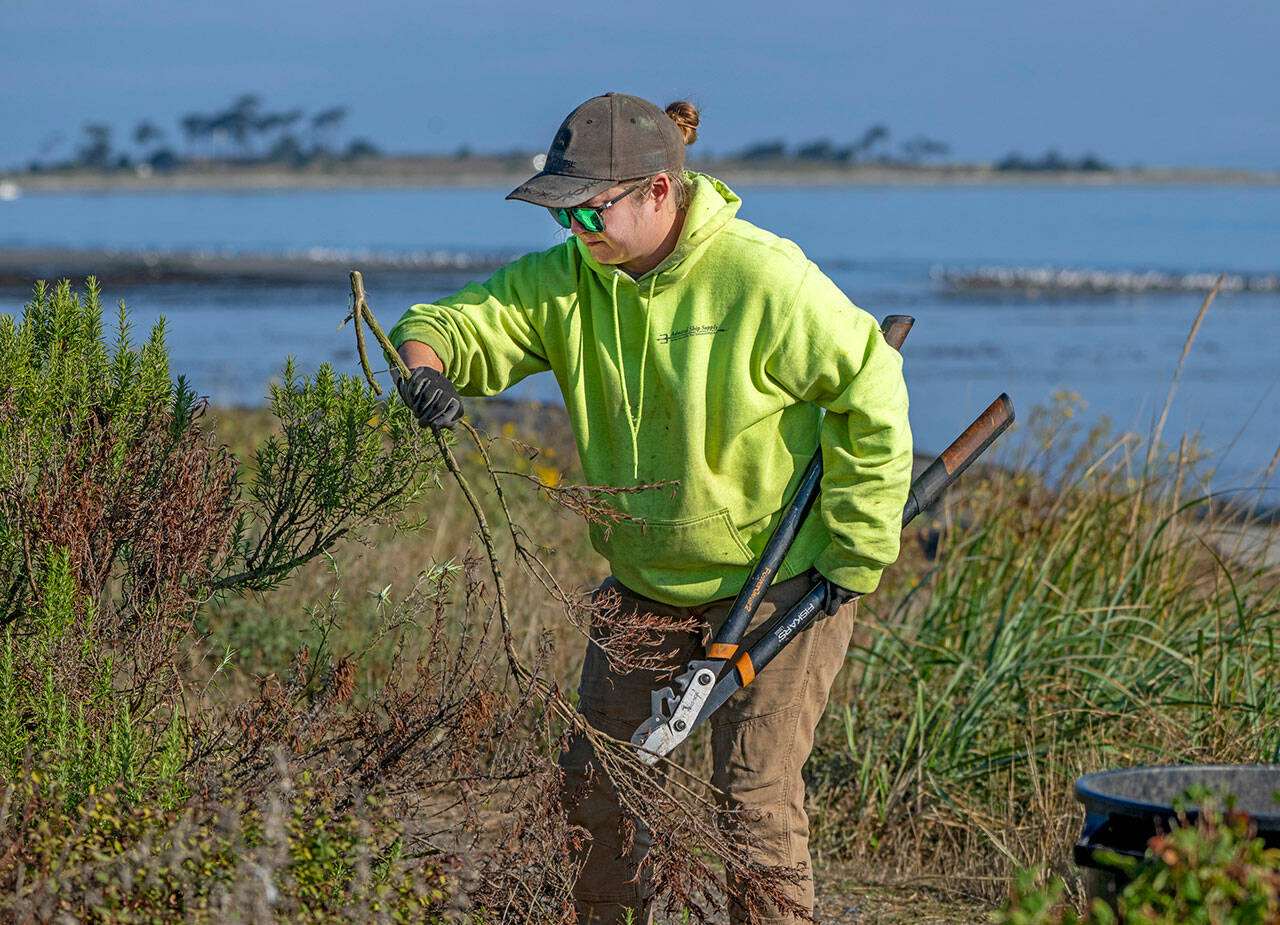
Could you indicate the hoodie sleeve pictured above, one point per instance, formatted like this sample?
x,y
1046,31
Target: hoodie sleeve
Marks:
x,y
486,335
832,354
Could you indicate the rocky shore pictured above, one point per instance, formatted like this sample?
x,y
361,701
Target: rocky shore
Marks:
x,y
20,266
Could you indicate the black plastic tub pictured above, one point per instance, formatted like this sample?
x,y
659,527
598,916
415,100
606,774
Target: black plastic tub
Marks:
x,y
1125,808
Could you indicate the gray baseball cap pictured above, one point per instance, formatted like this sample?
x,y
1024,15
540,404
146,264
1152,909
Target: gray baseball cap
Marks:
x,y
604,141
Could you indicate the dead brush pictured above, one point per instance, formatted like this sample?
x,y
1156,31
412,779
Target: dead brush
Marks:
x,y
631,640
442,738
696,841
143,521
120,515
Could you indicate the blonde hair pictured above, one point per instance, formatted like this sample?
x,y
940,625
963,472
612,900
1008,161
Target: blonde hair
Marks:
x,y
685,115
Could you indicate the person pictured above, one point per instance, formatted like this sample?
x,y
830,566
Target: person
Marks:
x,y
691,346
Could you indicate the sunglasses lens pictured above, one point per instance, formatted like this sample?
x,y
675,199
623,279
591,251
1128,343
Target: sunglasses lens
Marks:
x,y
590,219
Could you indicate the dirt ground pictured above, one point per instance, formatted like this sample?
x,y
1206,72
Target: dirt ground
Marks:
x,y
844,899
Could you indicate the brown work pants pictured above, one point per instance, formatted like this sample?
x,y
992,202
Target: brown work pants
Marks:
x,y
760,740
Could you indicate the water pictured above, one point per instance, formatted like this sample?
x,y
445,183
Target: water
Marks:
x,y
903,250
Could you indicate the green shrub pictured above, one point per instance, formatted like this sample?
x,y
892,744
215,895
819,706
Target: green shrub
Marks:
x,y
59,699
120,513
287,856
344,460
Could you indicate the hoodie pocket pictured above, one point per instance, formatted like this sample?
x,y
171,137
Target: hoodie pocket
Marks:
x,y
692,546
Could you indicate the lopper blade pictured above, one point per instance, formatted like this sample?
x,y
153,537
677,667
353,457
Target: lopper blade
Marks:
x,y
674,716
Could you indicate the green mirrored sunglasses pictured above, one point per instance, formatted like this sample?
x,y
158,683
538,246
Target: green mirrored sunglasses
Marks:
x,y
589,217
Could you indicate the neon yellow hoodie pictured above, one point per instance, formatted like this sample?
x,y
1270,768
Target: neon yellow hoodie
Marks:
x,y
710,370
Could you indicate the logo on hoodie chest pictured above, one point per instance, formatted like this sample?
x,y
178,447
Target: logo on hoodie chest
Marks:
x,y
694,330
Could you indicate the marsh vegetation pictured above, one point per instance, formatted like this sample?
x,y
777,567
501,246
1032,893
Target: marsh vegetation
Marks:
x,y
251,664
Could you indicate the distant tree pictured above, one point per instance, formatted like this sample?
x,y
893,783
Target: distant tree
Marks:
x,y
163,159
287,150
197,127
324,125
361,147
1053,161
269,123
96,149
239,121
818,150
920,148
146,132
764,151
864,147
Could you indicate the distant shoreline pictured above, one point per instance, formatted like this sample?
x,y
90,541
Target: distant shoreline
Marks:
x,y
488,171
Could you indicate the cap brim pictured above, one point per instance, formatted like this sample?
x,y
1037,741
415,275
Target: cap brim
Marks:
x,y
553,189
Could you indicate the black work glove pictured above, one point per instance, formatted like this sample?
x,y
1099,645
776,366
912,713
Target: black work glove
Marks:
x,y
431,397
833,595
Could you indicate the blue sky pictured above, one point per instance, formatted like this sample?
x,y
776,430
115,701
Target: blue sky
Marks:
x,y
1182,82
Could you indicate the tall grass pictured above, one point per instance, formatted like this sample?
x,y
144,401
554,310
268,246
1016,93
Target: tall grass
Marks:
x,y
1095,606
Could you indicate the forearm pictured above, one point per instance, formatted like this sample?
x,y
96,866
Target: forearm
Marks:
x,y
415,353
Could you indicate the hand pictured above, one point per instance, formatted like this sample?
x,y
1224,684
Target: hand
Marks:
x,y
431,397
833,595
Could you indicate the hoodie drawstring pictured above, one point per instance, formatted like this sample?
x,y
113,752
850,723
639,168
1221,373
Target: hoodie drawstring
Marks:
x,y
644,359
633,422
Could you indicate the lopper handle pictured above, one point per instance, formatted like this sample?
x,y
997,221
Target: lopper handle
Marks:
x,y
895,329
956,458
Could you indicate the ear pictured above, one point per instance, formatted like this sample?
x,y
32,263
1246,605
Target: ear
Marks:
x,y
660,190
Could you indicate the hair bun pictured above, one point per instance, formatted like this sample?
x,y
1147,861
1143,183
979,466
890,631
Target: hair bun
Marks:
x,y
685,115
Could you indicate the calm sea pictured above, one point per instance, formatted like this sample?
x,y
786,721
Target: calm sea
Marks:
x,y
1032,291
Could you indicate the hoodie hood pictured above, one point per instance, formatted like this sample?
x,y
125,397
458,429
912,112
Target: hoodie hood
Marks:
x,y
712,206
